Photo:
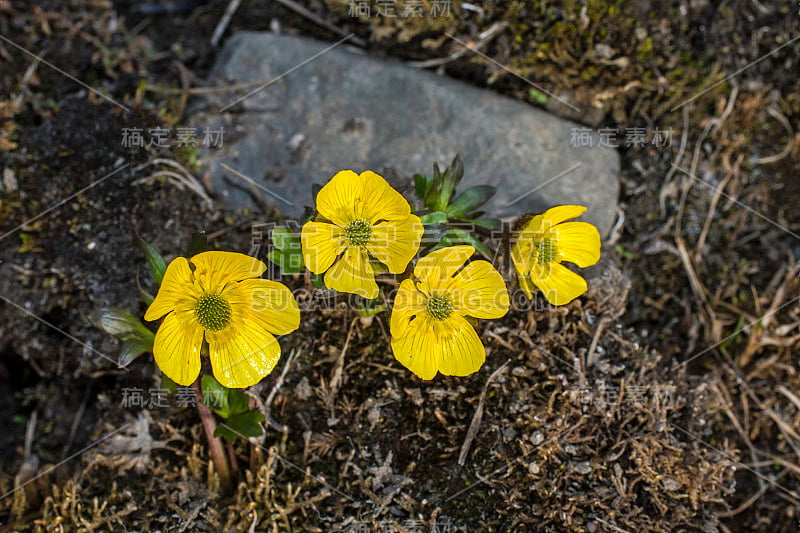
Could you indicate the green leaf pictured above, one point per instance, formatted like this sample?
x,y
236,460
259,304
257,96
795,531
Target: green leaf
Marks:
x,y
450,179
488,223
537,96
225,433
198,244
136,338
246,424
308,214
157,264
436,217
422,185
146,297
289,262
167,383
457,235
318,280
131,349
434,233
222,400
285,239
470,200
288,252
214,396
372,307
434,191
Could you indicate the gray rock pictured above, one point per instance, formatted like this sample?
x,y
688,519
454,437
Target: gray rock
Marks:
x,y
344,110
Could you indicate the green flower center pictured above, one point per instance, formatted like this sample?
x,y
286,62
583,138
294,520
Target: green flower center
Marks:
x,y
439,307
545,252
213,312
358,232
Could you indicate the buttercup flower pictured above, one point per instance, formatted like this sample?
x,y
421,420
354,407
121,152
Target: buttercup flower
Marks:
x,y
217,295
430,331
363,216
544,242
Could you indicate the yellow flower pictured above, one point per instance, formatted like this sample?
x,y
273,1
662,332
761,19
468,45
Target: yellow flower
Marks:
x,y
430,331
218,295
365,217
546,241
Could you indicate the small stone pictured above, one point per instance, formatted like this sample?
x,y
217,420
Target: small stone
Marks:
x,y
303,389
9,182
360,113
670,484
583,467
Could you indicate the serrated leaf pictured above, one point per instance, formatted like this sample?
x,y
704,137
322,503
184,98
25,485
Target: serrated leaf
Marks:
x,y
470,200
157,264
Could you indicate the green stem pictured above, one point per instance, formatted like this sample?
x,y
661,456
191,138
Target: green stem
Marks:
x,y
215,449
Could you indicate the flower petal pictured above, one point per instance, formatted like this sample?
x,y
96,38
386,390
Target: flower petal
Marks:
x,y
526,286
177,345
577,242
243,353
352,273
337,200
408,303
213,270
461,351
416,350
365,196
451,347
559,284
479,291
176,286
380,201
436,269
558,214
266,304
322,242
522,252
395,243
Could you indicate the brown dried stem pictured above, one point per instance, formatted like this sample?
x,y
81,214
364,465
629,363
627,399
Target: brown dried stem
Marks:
x,y
215,449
